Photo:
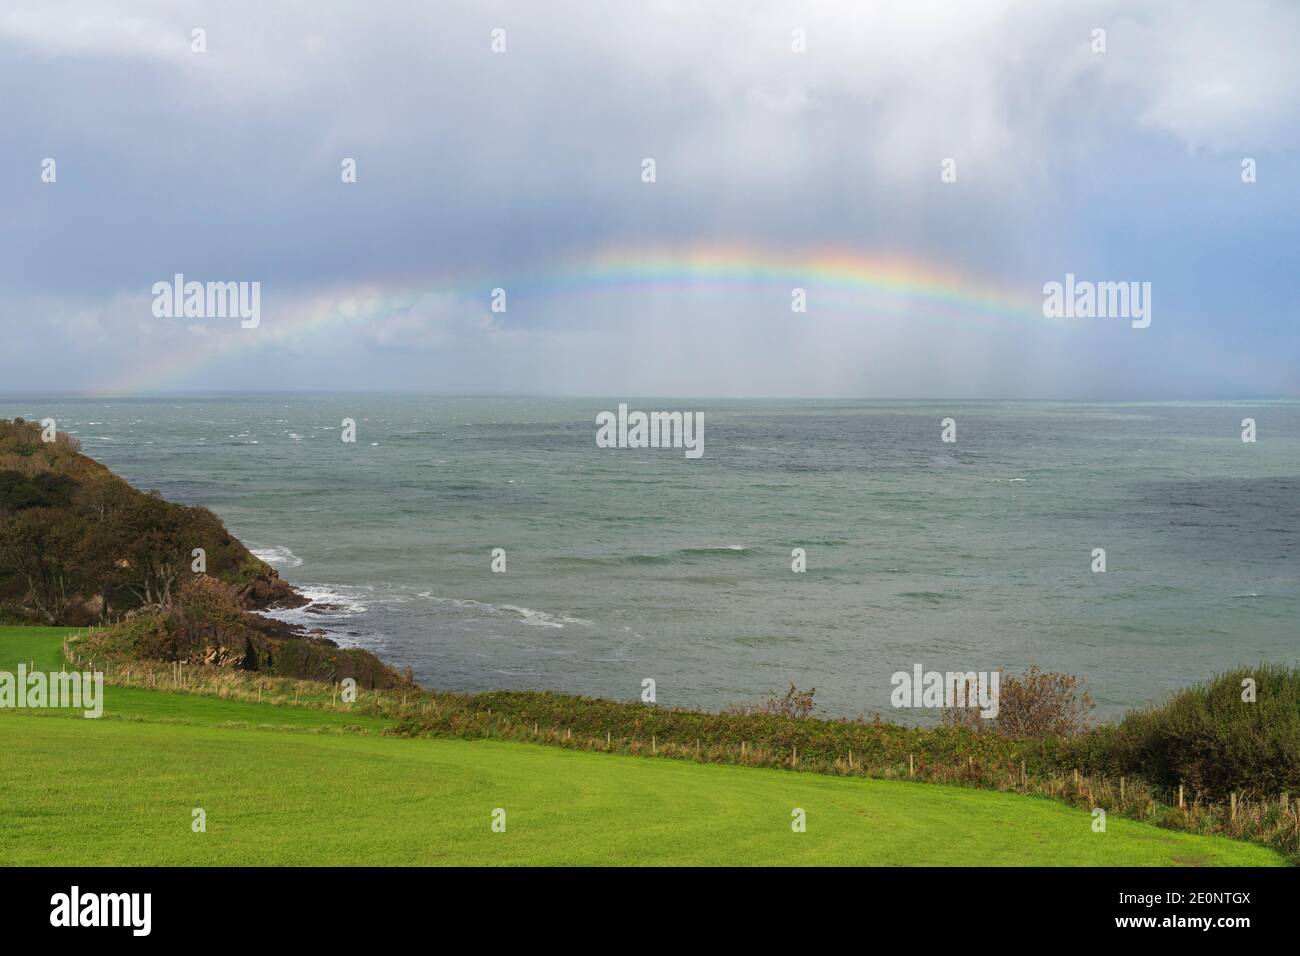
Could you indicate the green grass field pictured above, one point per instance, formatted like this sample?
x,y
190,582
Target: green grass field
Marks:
x,y
120,790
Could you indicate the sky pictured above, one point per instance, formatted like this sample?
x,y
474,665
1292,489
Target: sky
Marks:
x,y
920,170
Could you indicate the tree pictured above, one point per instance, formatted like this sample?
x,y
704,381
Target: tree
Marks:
x,y
37,544
154,542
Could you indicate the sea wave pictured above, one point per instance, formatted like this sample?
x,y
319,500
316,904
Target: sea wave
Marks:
x,y
542,619
526,615
326,602
277,556
336,598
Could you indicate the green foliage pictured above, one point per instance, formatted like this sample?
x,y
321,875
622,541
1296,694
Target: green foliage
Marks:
x,y
79,545
234,565
19,492
1213,742
777,737
139,637
1205,737
206,626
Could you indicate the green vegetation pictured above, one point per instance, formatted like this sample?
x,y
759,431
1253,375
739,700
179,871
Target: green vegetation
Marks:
x,y
206,626
274,798
78,545
323,787
1215,767
41,648
1208,738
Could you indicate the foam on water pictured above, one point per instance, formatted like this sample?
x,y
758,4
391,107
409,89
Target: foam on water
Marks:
x,y
277,556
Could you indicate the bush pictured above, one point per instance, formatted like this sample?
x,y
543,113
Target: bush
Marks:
x,y
206,626
1036,704
793,703
1209,739
19,492
208,614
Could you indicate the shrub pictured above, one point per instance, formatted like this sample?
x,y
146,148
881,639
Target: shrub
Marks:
x,y
1036,704
1210,739
206,626
207,613
793,703
1043,704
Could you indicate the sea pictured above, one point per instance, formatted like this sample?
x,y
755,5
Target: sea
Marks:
x,y
622,565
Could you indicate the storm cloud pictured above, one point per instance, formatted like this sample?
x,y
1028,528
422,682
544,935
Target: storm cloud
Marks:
x,y
479,169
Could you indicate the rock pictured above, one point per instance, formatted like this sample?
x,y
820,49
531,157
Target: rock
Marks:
x,y
269,591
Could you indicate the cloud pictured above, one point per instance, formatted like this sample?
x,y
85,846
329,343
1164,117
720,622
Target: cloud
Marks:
x,y
478,168
433,321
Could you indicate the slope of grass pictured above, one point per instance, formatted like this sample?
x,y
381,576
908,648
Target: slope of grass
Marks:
x,y
42,647
112,792
115,791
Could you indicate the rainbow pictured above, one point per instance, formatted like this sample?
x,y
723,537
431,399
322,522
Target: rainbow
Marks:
x,y
847,281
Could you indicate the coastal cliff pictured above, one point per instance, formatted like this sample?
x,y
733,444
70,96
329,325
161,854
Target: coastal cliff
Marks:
x,y
79,546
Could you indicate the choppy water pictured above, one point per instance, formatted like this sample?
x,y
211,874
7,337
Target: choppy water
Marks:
x,y
631,564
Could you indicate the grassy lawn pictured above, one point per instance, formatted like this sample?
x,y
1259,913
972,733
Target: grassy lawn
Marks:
x,y
43,646
114,791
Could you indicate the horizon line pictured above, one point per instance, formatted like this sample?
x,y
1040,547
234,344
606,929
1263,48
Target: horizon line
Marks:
x,y
6,395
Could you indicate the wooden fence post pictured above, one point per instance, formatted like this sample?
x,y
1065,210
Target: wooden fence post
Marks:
x,y
911,766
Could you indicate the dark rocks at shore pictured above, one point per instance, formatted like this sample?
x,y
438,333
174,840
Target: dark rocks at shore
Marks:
x,y
323,608
269,592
